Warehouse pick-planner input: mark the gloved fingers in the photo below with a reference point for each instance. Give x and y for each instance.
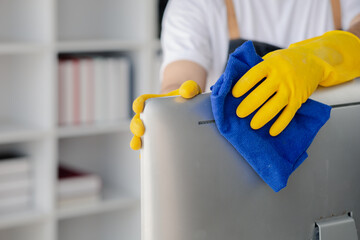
(135, 143)
(137, 126)
(270, 109)
(250, 79)
(256, 98)
(189, 89)
(284, 119)
(139, 102)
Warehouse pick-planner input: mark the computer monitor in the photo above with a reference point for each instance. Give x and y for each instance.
(196, 186)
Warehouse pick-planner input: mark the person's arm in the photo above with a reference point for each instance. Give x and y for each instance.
(185, 42)
(355, 26)
(176, 73)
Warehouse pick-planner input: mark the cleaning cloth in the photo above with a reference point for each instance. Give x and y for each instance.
(273, 158)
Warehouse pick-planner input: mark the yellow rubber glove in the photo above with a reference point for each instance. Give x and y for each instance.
(293, 74)
(188, 89)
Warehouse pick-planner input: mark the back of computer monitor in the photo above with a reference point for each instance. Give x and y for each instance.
(196, 186)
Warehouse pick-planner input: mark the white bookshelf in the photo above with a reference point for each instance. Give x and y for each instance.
(32, 34)
(13, 220)
(98, 45)
(93, 129)
(22, 48)
(110, 202)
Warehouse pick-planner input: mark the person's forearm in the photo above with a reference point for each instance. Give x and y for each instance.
(355, 26)
(178, 72)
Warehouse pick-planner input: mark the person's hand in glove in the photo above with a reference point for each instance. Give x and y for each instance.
(188, 89)
(293, 74)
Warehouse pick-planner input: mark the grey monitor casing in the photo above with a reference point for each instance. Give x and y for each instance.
(196, 186)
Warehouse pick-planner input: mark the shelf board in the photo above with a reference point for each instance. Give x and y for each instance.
(12, 132)
(97, 45)
(93, 129)
(109, 202)
(19, 48)
(21, 218)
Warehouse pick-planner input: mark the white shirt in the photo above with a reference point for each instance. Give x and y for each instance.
(196, 30)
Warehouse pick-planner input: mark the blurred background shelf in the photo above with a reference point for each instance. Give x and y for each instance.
(34, 35)
(93, 129)
(21, 218)
(97, 45)
(21, 48)
(11, 132)
(109, 202)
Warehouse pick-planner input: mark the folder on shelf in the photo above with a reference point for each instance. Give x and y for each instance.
(123, 110)
(93, 89)
(118, 88)
(100, 89)
(61, 93)
(66, 92)
(86, 91)
(112, 89)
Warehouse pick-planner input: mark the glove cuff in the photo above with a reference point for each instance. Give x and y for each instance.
(337, 35)
(340, 50)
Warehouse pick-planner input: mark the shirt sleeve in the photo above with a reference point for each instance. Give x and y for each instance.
(185, 34)
(349, 9)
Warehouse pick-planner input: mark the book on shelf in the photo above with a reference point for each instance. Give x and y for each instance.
(65, 89)
(12, 163)
(78, 200)
(15, 182)
(93, 89)
(76, 186)
(14, 203)
(99, 95)
(122, 67)
(15, 176)
(15, 186)
(86, 86)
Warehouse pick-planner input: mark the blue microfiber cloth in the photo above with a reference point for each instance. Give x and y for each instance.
(273, 158)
